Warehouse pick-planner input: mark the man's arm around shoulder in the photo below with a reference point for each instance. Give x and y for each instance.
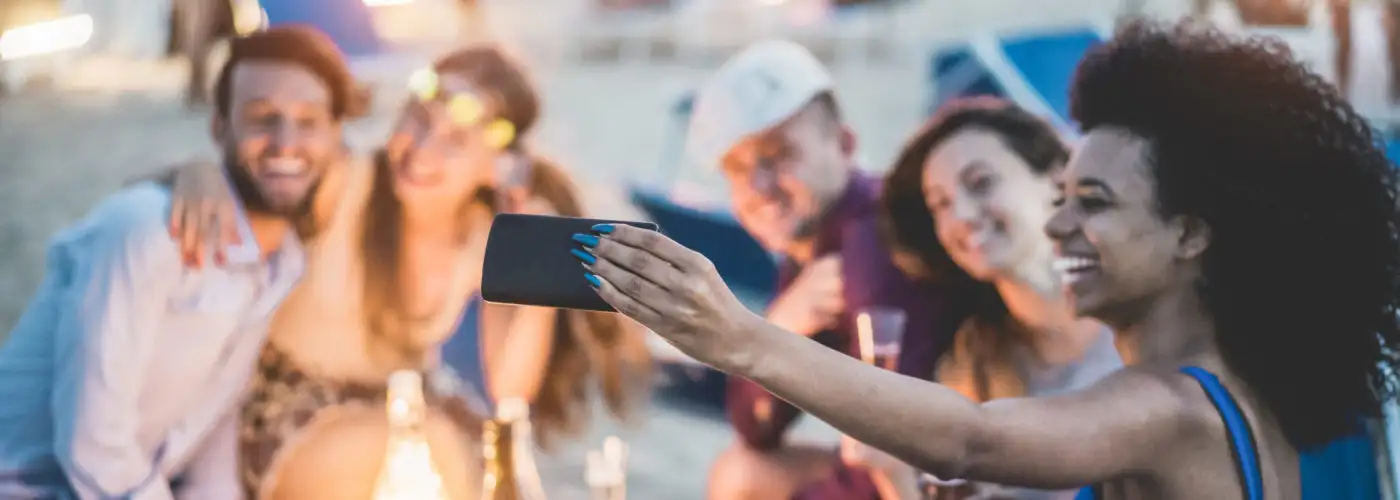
(123, 268)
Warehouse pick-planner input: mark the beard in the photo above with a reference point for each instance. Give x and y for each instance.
(256, 202)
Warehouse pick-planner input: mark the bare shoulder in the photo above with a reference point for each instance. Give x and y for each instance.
(1134, 423)
(1160, 407)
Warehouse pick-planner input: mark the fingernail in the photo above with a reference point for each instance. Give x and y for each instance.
(586, 257)
(587, 240)
(603, 228)
(593, 280)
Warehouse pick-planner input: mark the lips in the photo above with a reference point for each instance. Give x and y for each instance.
(284, 174)
(1074, 269)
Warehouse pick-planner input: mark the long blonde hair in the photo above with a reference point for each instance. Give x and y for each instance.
(586, 344)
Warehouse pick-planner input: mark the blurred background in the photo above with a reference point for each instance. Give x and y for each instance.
(91, 97)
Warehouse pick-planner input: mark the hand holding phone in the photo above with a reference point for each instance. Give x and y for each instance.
(527, 262)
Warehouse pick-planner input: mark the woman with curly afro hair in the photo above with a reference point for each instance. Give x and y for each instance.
(1227, 213)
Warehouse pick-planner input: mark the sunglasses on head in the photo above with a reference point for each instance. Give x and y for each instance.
(463, 108)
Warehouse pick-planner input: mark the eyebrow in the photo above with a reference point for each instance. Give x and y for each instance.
(1093, 182)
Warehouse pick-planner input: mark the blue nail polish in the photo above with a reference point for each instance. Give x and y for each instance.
(603, 228)
(586, 257)
(593, 280)
(587, 240)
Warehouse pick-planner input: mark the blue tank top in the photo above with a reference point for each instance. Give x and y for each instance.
(1343, 469)
(462, 351)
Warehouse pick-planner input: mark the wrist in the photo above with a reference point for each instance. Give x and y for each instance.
(760, 337)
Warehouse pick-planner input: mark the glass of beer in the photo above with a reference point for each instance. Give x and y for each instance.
(880, 332)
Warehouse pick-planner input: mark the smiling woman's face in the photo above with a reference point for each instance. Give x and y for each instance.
(440, 149)
(989, 207)
(1115, 250)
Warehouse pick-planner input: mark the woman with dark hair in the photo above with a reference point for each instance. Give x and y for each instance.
(394, 261)
(1228, 214)
(970, 196)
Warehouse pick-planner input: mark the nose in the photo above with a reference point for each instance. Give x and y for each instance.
(763, 182)
(284, 139)
(1062, 224)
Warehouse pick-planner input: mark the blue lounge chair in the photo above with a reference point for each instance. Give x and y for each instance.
(349, 23)
(1033, 69)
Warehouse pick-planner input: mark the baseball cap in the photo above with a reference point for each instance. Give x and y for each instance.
(756, 89)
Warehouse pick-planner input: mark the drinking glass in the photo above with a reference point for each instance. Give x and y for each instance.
(880, 332)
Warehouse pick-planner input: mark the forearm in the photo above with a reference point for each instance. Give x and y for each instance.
(519, 360)
(922, 423)
(759, 418)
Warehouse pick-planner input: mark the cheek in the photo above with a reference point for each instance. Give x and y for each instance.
(1130, 250)
(251, 144)
(946, 230)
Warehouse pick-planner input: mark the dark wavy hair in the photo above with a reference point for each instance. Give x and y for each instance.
(908, 223)
(295, 44)
(1302, 274)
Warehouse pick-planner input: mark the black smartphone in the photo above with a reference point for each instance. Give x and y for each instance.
(528, 262)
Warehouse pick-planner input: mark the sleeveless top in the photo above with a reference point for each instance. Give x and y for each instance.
(1033, 378)
(1343, 469)
(315, 347)
(462, 352)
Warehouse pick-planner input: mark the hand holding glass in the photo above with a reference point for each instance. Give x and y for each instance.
(880, 332)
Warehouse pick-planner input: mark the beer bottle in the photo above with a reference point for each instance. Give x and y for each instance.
(408, 472)
(508, 453)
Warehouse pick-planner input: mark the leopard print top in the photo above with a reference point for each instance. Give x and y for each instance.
(284, 399)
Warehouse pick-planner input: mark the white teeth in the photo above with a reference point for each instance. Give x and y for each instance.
(285, 166)
(1072, 269)
(1073, 265)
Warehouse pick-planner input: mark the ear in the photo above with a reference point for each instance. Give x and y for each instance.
(848, 141)
(1193, 237)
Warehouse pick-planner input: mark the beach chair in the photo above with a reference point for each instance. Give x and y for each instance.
(1033, 68)
(349, 23)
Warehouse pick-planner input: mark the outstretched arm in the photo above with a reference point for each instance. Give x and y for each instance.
(1128, 424)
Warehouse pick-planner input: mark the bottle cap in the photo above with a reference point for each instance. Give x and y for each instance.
(512, 409)
(405, 382)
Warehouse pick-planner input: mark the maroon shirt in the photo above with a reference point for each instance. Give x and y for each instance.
(851, 229)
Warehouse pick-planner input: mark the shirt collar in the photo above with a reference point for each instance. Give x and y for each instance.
(246, 252)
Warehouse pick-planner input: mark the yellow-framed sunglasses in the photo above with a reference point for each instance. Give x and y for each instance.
(462, 108)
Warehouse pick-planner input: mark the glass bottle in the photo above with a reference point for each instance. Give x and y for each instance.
(508, 453)
(606, 471)
(408, 472)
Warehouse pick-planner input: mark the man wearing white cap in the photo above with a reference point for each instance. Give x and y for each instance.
(769, 120)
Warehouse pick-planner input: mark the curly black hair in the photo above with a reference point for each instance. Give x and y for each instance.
(1302, 274)
(908, 224)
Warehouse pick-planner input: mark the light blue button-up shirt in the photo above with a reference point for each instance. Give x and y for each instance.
(126, 368)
